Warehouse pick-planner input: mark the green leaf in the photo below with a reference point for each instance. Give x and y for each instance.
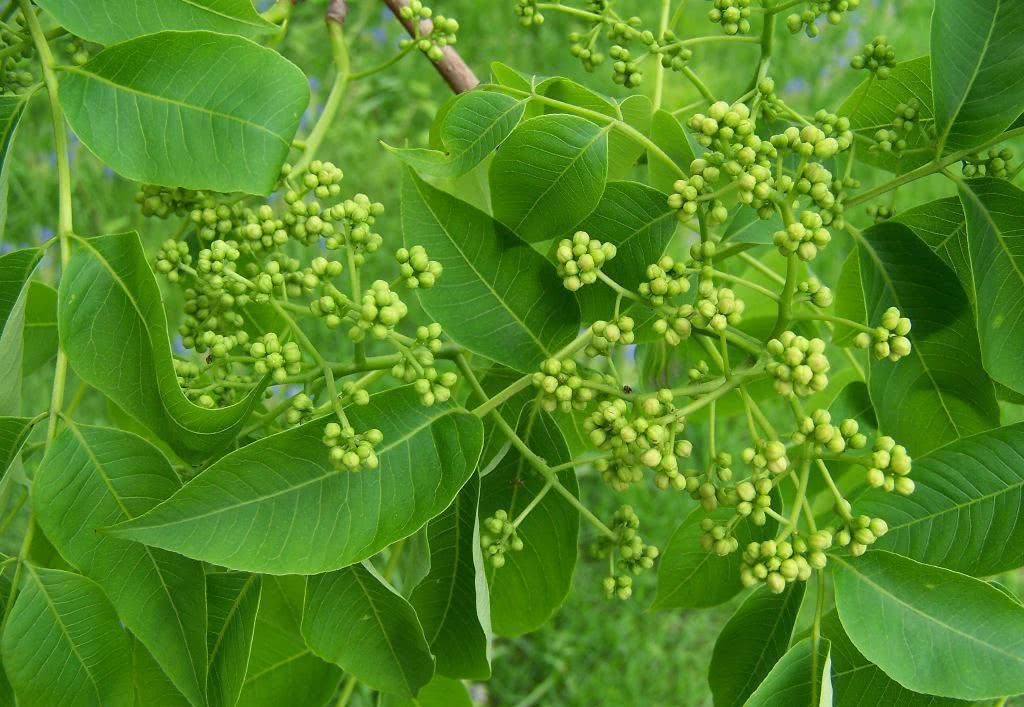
(355, 619)
(452, 601)
(11, 110)
(499, 297)
(638, 220)
(548, 175)
(691, 577)
(110, 309)
(747, 227)
(939, 392)
(753, 641)
(534, 582)
(872, 106)
(849, 297)
(189, 109)
(472, 127)
(636, 111)
(63, 645)
(802, 677)
(16, 268)
(232, 599)
(439, 692)
(40, 329)
(930, 629)
(977, 69)
(150, 685)
(995, 226)
(110, 21)
(282, 669)
(93, 477)
(857, 681)
(965, 510)
(13, 433)
(279, 506)
(668, 133)
(942, 226)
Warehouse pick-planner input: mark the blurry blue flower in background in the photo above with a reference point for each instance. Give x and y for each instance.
(6, 247)
(314, 84)
(631, 353)
(43, 233)
(264, 5)
(177, 346)
(796, 85)
(379, 34)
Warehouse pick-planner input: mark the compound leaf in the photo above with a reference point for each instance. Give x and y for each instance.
(188, 109)
(92, 477)
(355, 619)
(977, 69)
(279, 506)
(872, 106)
(965, 510)
(451, 600)
(232, 600)
(112, 325)
(110, 21)
(499, 298)
(802, 677)
(282, 669)
(754, 640)
(472, 127)
(548, 175)
(930, 629)
(940, 392)
(534, 581)
(63, 644)
(995, 236)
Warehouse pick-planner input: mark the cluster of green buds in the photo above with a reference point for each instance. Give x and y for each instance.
(818, 431)
(878, 57)
(580, 258)
(433, 32)
(994, 163)
(711, 487)
(799, 364)
(733, 15)
(716, 308)
(628, 554)
(832, 10)
(528, 13)
(417, 366)
(816, 293)
(881, 213)
(647, 436)
(300, 409)
(626, 71)
(813, 141)
(804, 237)
(674, 54)
(15, 76)
(499, 538)
(608, 334)
(379, 313)
(889, 339)
(888, 140)
(276, 359)
(890, 467)
(777, 563)
(562, 386)
(416, 268)
(349, 450)
(665, 279)
(860, 532)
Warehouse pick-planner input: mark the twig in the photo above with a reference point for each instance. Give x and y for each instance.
(453, 69)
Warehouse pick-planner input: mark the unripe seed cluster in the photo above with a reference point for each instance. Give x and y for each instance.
(581, 258)
(889, 339)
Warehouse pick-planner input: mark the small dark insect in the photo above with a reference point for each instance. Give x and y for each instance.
(517, 482)
(627, 389)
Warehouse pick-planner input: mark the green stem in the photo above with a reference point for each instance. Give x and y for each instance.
(786, 299)
(497, 400)
(659, 69)
(339, 51)
(698, 84)
(528, 454)
(382, 66)
(346, 691)
(17, 48)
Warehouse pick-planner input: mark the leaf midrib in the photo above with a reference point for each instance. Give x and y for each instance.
(259, 499)
(89, 76)
(383, 630)
(544, 349)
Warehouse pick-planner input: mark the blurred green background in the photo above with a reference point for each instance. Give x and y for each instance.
(595, 651)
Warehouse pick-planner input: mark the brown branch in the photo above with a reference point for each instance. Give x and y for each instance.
(337, 11)
(453, 69)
